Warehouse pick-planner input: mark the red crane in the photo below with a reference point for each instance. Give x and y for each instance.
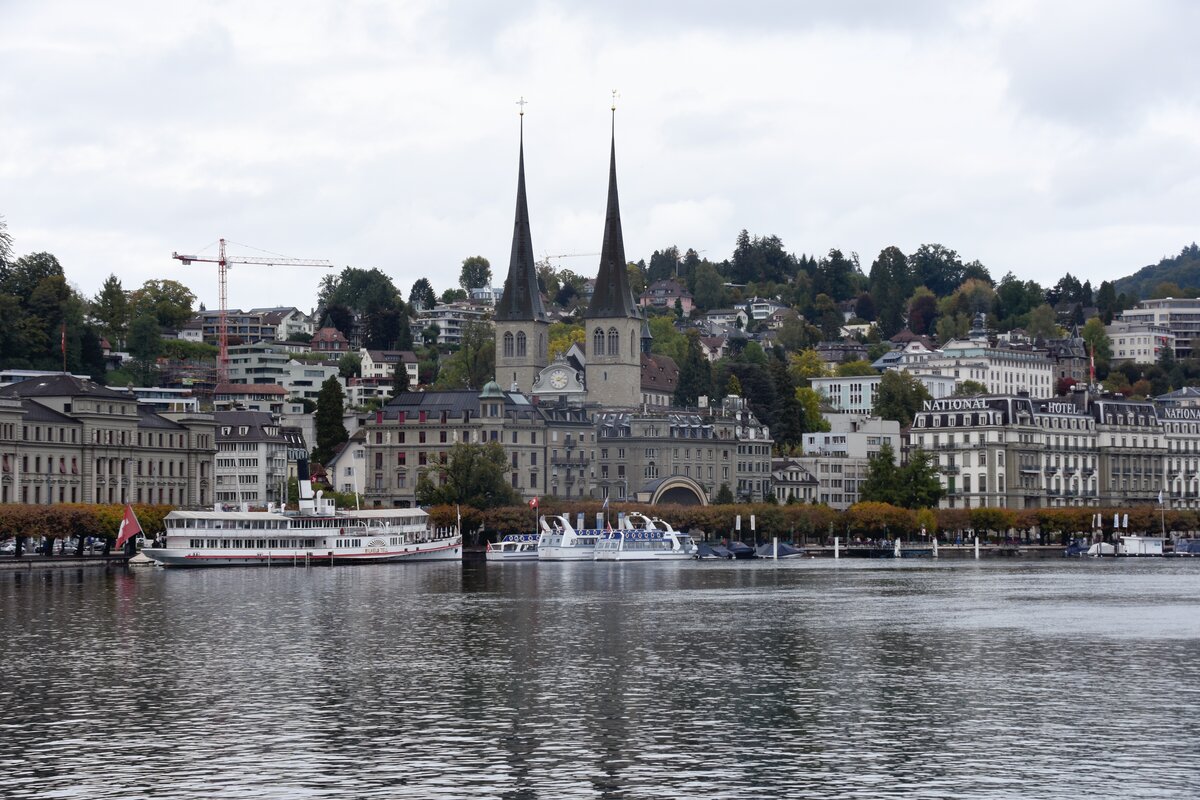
(222, 261)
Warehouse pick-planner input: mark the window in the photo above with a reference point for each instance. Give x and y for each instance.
(614, 342)
(520, 344)
(508, 345)
(598, 342)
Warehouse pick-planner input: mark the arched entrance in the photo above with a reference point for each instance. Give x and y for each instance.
(677, 490)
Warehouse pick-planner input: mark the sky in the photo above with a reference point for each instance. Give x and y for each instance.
(1036, 137)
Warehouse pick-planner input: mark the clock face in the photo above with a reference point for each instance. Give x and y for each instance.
(558, 379)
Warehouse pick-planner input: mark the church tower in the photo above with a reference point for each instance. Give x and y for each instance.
(522, 338)
(613, 322)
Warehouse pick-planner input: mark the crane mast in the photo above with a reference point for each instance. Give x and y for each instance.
(222, 261)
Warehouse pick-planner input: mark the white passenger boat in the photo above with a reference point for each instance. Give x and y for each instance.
(642, 538)
(316, 534)
(514, 547)
(559, 541)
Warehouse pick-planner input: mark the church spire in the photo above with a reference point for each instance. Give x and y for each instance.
(521, 299)
(612, 297)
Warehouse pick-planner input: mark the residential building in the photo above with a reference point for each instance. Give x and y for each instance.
(840, 458)
(252, 458)
(68, 440)
(329, 339)
(857, 394)
(663, 294)
(1181, 316)
(1141, 343)
(792, 482)
(266, 363)
(1003, 370)
(381, 364)
(759, 308)
(346, 471)
(286, 322)
(450, 318)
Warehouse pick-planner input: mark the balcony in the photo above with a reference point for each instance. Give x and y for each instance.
(1052, 492)
(567, 461)
(1068, 471)
(1050, 470)
(950, 469)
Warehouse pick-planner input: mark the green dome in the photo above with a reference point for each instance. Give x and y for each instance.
(491, 391)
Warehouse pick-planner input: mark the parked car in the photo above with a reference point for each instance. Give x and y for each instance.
(9, 547)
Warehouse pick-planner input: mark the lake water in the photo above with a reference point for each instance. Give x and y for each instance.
(962, 679)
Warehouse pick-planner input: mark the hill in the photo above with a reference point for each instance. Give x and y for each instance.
(1182, 270)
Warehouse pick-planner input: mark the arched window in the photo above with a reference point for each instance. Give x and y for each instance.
(520, 344)
(651, 470)
(614, 342)
(508, 345)
(598, 342)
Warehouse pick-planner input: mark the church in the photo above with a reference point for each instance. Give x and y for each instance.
(596, 422)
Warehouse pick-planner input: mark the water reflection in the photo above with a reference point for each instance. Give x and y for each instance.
(809, 679)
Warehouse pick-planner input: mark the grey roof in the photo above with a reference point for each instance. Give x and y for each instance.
(454, 403)
(36, 412)
(149, 418)
(256, 421)
(521, 299)
(63, 385)
(613, 296)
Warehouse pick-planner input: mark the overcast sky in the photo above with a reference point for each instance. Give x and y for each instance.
(1035, 137)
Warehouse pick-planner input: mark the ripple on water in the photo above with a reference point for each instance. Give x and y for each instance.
(798, 679)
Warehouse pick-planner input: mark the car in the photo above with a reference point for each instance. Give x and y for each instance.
(9, 547)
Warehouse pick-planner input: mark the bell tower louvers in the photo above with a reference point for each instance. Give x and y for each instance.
(613, 322)
(521, 324)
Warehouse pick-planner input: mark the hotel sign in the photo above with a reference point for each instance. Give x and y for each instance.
(956, 404)
(1061, 408)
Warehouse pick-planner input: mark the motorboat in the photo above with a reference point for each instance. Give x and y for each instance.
(642, 538)
(559, 541)
(713, 551)
(741, 550)
(514, 547)
(779, 550)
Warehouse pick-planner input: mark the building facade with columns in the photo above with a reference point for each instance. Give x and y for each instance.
(68, 440)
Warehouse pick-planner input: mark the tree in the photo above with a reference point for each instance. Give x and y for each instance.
(810, 400)
(358, 289)
(937, 268)
(806, 365)
(476, 273)
(1098, 344)
(969, 388)
(788, 421)
(724, 496)
(422, 295)
(882, 484)
(474, 362)
(1042, 323)
(889, 284)
(1106, 301)
(900, 397)
(922, 312)
(668, 341)
(110, 309)
(561, 335)
(6, 252)
(850, 369)
(695, 373)
(350, 365)
(920, 487)
(145, 345)
(710, 290)
(330, 431)
(400, 379)
(474, 475)
(169, 301)
(453, 295)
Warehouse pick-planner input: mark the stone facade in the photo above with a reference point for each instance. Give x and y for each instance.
(66, 440)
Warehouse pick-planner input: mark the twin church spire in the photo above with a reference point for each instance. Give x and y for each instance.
(613, 296)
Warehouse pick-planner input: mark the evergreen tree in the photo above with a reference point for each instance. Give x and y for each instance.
(400, 379)
(422, 295)
(145, 345)
(920, 487)
(724, 496)
(110, 309)
(330, 431)
(789, 422)
(695, 374)
(882, 483)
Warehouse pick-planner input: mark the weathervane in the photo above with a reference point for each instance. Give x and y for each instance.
(522, 103)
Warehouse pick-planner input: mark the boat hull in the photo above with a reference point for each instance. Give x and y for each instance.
(618, 555)
(550, 553)
(444, 550)
(503, 557)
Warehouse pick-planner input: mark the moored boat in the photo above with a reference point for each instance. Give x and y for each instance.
(641, 538)
(780, 550)
(1139, 545)
(316, 534)
(514, 547)
(559, 541)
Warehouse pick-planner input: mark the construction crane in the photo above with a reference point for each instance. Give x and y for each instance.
(222, 261)
(547, 258)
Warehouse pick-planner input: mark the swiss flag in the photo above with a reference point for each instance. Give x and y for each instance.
(533, 503)
(129, 527)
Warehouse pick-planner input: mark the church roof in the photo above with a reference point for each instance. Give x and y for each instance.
(521, 300)
(613, 296)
